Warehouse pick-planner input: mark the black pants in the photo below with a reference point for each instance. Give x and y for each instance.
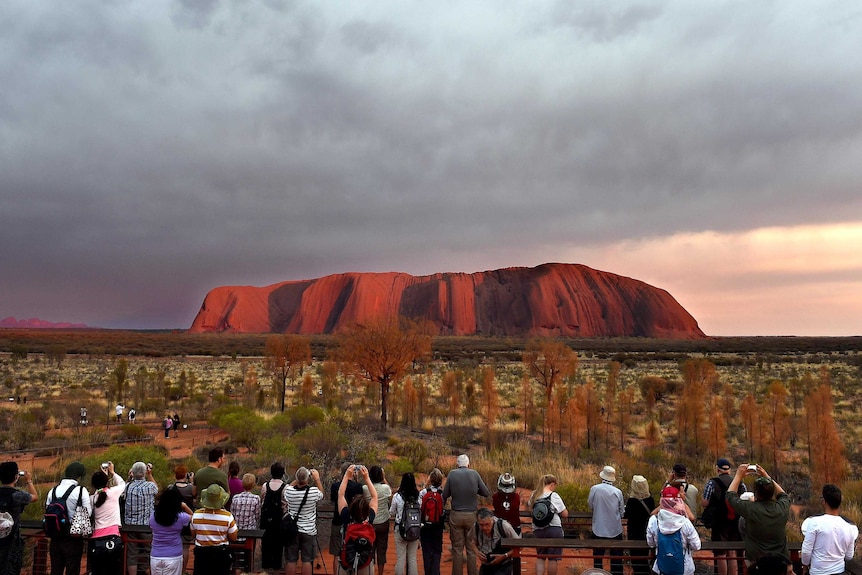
(616, 556)
(216, 560)
(431, 541)
(105, 562)
(504, 568)
(65, 553)
(271, 549)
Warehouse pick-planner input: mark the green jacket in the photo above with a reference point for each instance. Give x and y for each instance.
(765, 524)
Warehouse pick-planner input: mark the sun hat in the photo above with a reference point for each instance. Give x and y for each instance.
(506, 483)
(640, 487)
(214, 497)
(608, 473)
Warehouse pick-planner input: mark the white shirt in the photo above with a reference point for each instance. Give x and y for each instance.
(608, 506)
(669, 522)
(829, 540)
(72, 501)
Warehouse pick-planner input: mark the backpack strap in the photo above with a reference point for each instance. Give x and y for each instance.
(304, 497)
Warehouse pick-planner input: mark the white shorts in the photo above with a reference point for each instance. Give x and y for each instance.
(166, 565)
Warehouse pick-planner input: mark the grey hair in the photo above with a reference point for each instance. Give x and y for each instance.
(302, 475)
(463, 460)
(485, 513)
(139, 470)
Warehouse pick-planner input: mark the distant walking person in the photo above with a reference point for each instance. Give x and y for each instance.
(175, 419)
(119, 412)
(463, 487)
(168, 424)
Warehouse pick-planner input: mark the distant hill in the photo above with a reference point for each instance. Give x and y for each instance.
(549, 300)
(36, 323)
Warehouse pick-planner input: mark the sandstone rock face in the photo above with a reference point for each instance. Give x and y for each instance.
(549, 300)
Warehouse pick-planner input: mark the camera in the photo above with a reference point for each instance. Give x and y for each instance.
(752, 469)
(22, 473)
(104, 466)
(357, 471)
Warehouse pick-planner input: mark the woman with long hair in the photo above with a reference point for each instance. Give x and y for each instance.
(106, 548)
(549, 557)
(169, 516)
(431, 535)
(405, 551)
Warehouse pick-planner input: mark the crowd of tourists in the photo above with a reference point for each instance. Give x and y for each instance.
(205, 511)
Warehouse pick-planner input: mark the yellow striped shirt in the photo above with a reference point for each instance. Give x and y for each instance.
(211, 527)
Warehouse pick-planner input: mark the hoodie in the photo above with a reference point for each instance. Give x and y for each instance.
(668, 522)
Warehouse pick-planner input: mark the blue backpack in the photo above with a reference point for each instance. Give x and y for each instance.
(670, 553)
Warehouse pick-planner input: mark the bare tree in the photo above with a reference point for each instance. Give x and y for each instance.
(382, 352)
(285, 358)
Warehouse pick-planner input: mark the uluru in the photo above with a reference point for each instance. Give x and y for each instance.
(554, 299)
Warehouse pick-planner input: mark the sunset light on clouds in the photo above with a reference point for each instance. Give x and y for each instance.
(152, 151)
(768, 281)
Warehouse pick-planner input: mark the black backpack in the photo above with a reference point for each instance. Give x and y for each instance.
(271, 509)
(56, 521)
(719, 511)
(410, 523)
(543, 512)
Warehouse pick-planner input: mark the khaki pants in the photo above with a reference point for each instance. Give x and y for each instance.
(462, 533)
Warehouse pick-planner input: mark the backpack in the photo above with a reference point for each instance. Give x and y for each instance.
(357, 549)
(56, 521)
(7, 522)
(670, 553)
(411, 520)
(543, 512)
(719, 511)
(271, 509)
(432, 508)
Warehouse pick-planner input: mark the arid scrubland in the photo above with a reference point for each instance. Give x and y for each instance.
(639, 410)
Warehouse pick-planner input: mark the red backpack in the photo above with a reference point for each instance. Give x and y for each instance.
(357, 550)
(432, 508)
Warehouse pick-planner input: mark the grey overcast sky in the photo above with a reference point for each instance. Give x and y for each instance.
(153, 150)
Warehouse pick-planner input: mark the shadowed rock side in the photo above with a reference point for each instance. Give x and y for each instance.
(548, 300)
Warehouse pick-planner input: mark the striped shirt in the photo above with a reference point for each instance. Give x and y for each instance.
(307, 520)
(245, 507)
(211, 527)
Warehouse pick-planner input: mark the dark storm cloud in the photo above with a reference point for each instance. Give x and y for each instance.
(151, 151)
